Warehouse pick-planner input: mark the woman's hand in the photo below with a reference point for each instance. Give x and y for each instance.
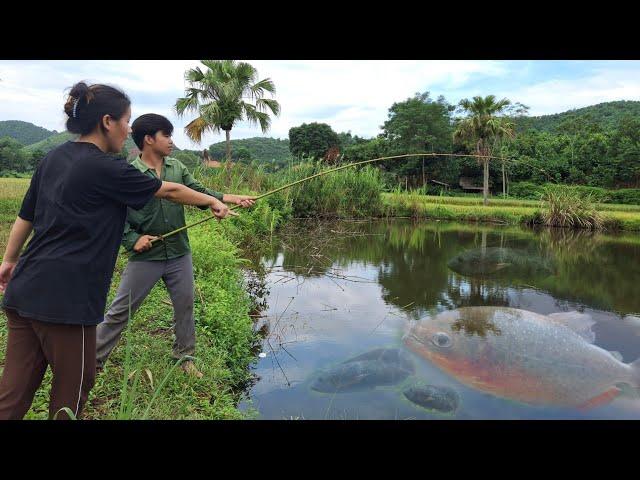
(245, 201)
(6, 271)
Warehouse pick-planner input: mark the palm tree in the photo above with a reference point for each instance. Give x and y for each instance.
(222, 96)
(484, 128)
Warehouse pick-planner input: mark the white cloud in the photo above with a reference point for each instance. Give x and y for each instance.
(349, 95)
(603, 84)
(366, 88)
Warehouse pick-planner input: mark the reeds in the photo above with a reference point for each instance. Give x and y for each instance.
(562, 207)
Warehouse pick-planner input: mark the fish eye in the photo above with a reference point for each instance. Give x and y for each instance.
(441, 339)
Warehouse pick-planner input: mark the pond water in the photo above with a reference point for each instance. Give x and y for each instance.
(337, 290)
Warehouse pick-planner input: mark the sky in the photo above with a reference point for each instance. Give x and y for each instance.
(349, 95)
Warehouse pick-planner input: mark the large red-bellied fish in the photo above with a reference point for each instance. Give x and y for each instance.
(524, 356)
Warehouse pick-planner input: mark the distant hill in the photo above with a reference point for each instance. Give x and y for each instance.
(58, 139)
(50, 142)
(607, 115)
(272, 150)
(24, 132)
(38, 138)
(261, 149)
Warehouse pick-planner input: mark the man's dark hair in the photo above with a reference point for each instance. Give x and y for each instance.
(149, 124)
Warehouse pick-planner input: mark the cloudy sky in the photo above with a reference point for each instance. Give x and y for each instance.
(348, 95)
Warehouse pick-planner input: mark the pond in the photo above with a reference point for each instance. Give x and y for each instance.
(339, 291)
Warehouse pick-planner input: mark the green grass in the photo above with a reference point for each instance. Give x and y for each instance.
(498, 211)
(567, 208)
(348, 193)
(511, 202)
(226, 343)
(224, 349)
(12, 191)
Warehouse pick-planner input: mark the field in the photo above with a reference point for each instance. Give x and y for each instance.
(498, 210)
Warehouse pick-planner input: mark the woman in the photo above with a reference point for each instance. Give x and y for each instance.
(55, 292)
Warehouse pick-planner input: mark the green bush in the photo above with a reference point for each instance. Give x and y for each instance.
(532, 191)
(525, 190)
(625, 196)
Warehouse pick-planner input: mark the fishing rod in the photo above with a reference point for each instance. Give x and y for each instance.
(325, 172)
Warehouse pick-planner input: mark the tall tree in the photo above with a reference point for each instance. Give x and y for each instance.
(485, 125)
(418, 124)
(222, 95)
(312, 139)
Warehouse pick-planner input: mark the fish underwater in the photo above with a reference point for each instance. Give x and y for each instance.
(498, 262)
(432, 397)
(382, 366)
(524, 356)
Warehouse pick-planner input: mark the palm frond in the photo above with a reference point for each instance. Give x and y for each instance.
(256, 117)
(196, 128)
(212, 113)
(216, 92)
(194, 75)
(186, 104)
(262, 104)
(257, 90)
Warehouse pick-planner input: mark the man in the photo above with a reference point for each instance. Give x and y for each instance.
(170, 260)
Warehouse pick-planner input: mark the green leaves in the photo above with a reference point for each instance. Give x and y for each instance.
(218, 94)
(312, 140)
(484, 128)
(419, 124)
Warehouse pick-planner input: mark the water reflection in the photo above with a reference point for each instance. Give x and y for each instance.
(474, 322)
(412, 261)
(343, 288)
(503, 263)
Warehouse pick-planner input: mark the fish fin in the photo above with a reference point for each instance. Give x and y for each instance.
(580, 323)
(628, 390)
(602, 399)
(617, 355)
(500, 266)
(382, 354)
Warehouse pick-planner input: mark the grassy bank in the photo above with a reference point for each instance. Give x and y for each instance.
(627, 217)
(226, 342)
(476, 200)
(12, 191)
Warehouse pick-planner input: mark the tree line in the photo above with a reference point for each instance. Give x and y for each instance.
(579, 150)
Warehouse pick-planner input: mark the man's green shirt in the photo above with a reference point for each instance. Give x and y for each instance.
(161, 216)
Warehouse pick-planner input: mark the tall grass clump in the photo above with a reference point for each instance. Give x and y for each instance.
(238, 178)
(562, 207)
(348, 193)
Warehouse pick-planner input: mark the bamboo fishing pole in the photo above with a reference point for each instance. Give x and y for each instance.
(162, 237)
